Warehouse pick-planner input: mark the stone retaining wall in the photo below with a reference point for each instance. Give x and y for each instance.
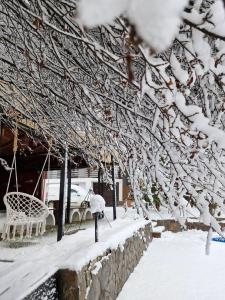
(174, 226)
(104, 277)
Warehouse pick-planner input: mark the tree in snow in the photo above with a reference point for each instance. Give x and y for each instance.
(102, 91)
(186, 84)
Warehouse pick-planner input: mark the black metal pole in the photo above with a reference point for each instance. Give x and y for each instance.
(68, 192)
(61, 200)
(114, 189)
(96, 227)
(99, 181)
(102, 185)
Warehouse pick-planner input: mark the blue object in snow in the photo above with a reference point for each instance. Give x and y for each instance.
(218, 239)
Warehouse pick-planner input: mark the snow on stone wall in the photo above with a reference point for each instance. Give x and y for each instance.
(103, 277)
(107, 274)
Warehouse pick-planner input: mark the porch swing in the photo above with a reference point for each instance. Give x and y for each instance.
(23, 211)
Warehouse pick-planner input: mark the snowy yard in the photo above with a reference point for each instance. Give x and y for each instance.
(24, 268)
(126, 93)
(10, 251)
(175, 267)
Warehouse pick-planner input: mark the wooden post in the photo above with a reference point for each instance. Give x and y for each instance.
(114, 189)
(68, 193)
(61, 199)
(1, 131)
(96, 227)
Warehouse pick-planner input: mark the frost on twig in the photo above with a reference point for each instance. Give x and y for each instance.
(164, 125)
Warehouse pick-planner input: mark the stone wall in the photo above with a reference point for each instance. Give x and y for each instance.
(104, 277)
(174, 226)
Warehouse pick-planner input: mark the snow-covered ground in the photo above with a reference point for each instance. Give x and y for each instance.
(34, 261)
(175, 267)
(10, 251)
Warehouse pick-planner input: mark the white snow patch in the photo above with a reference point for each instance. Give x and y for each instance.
(97, 267)
(156, 21)
(97, 204)
(175, 267)
(159, 229)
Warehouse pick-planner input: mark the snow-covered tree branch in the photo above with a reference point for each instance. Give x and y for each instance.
(102, 90)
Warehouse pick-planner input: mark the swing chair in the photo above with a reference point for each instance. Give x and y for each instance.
(23, 211)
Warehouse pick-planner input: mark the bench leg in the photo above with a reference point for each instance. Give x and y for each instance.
(53, 217)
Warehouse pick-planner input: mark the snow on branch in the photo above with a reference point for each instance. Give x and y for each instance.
(164, 125)
(199, 121)
(155, 21)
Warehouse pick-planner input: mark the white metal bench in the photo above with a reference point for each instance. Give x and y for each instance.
(78, 213)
